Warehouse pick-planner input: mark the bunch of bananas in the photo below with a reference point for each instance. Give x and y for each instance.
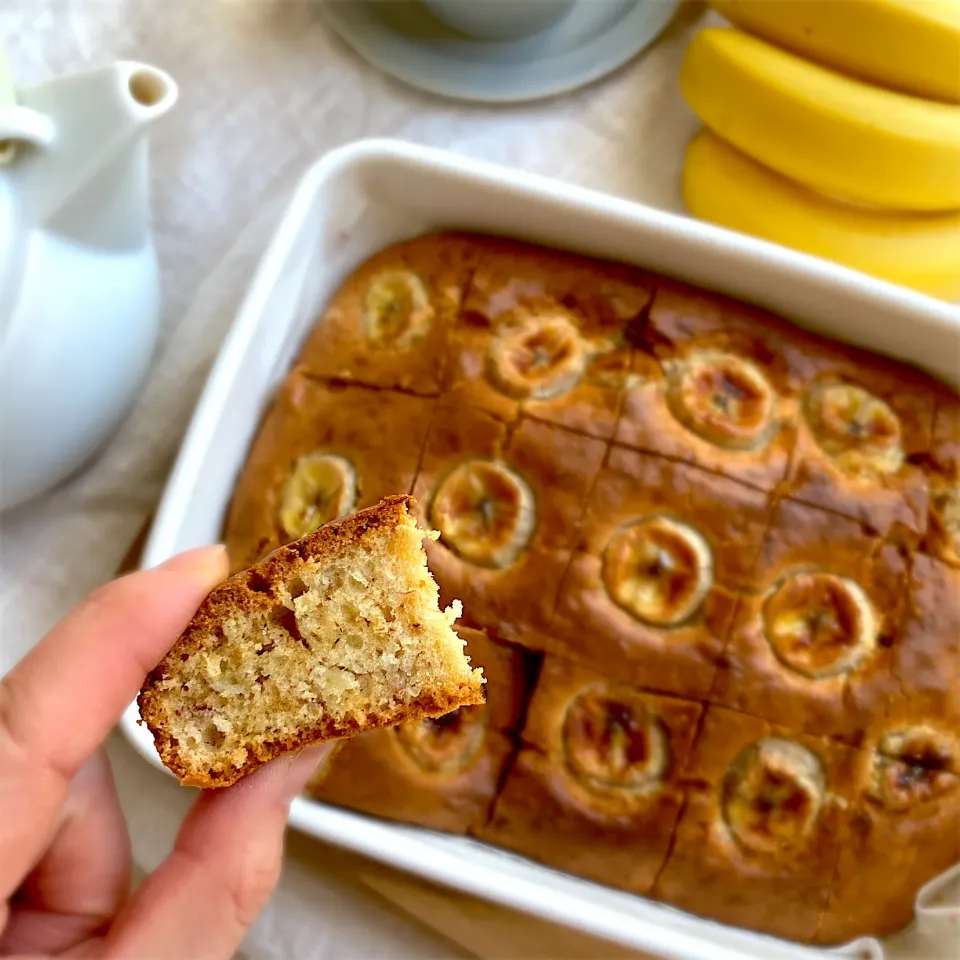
(833, 127)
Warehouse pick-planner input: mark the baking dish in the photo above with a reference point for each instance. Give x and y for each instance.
(365, 196)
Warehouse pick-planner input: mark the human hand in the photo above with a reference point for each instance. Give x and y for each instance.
(64, 849)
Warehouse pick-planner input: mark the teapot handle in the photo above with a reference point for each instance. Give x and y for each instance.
(20, 124)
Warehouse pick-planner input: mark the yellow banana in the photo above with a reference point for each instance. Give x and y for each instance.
(908, 45)
(917, 250)
(836, 134)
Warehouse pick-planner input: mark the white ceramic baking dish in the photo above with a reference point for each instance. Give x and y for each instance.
(357, 200)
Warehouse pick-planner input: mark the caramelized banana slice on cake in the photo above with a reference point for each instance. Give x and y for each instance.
(538, 358)
(484, 512)
(321, 488)
(444, 744)
(658, 570)
(772, 795)
(820, 624)
(613, 741)
(397, 311)
(858, 431)
(912, 766)
(722, 398)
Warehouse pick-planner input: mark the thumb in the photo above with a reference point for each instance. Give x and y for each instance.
(224, 867)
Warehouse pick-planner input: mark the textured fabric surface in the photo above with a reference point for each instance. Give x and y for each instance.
(265, 90)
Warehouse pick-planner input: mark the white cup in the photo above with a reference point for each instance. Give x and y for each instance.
(499, 19)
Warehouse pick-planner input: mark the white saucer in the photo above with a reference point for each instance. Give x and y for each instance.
(401, 38)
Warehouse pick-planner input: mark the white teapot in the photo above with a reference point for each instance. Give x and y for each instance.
(79, 280)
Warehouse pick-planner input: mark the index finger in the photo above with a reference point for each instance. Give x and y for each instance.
(60, 702)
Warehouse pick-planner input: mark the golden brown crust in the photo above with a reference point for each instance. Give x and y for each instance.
(827, 668)
(376, 432)
(891, 849)
(256, 589)
(552, 808)
(591, 626)
(557, 469)
(868, 473)
(712, 871)
(518, 297)
(926, 655)
(404, 354)
(384, 774)
(943, 472)
(788, 445)
(906, 827)
(945, 443)
(690, 333)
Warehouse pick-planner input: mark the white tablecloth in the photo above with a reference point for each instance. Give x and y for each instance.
(264, 91)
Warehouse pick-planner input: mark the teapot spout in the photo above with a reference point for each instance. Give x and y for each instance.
(152, 91)
(91, 180)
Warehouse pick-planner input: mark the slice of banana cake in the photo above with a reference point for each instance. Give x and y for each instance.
(333, 634)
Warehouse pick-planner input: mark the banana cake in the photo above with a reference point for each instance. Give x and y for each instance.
(334, 634)
(726, 548)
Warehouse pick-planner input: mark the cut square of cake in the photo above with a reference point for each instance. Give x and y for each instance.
(334, 634)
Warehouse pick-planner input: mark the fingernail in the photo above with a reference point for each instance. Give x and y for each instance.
(207, 562)
(303, 766)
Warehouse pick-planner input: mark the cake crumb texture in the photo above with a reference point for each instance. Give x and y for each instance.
(333, 634)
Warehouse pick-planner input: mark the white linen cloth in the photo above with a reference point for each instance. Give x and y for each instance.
(265, 90)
